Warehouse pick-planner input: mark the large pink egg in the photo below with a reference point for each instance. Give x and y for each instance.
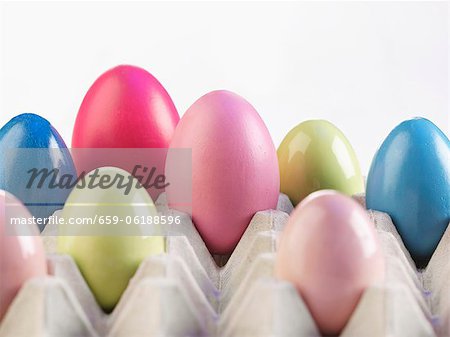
(234, 167)
(330, 252)
(22, 254)
(126, 107)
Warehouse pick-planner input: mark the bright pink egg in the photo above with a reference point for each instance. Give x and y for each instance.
(22, 254)
(234, 167)
(126, 107)
(330, 252)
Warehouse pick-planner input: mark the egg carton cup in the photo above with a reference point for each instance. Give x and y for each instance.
(433, 282)
(184, 293)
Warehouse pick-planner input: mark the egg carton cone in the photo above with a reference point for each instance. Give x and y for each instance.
(50, 307)
(433, 281)
(32, 313)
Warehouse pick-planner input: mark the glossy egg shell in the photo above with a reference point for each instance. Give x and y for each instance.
(126, 107)
(410, 180)
(330, 252)
(22, 254)
(316, 155)
(30, 131)
(234, 167)
(108, 255)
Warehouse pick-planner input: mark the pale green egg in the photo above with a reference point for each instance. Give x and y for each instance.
(316, 155)
(113, 234)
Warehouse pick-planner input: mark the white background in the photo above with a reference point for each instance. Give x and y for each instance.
(364, 66)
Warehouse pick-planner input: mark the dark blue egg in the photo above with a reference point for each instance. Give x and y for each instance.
(410, 180)
(31, 147)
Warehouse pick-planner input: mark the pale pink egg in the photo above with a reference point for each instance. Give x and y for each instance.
(234, 167)
(22, 254)
(330, 252)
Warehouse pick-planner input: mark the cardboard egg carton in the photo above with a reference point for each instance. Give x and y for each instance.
(433, 282)
(172, 294)
(408, 303)
(184, 293)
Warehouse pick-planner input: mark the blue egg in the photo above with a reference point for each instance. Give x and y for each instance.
(31, 152)
(410, 180)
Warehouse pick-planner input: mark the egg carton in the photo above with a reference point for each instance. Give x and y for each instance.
(408, 303)
(187, 299)
(184, 293)
(433, 281)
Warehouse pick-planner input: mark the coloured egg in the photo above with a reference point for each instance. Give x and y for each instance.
(22, 254)
(116, 237)
(410, 180)
(126, 107)
(234, 167)
(316, 155)
(30, 142)
(329, 251)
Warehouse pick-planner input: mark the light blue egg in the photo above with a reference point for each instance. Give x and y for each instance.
(410, 180)
(29, 142)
